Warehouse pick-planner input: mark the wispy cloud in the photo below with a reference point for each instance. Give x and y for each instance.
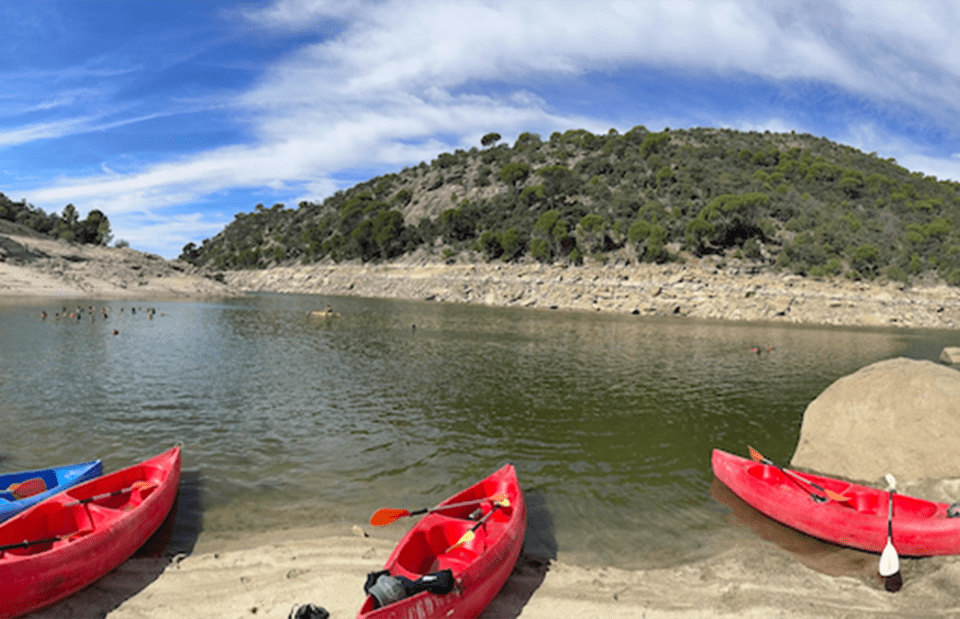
(165, 234)
(388, 84)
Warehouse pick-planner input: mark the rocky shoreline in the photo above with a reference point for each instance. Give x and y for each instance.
(696, 290)
(707, 289)
(42, 267)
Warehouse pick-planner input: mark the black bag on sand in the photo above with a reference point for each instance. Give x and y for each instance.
(309, 611)
(387, 589)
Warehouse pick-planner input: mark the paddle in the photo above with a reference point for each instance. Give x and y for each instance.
(389, 515)
(758, 457)
(29, 487)
(49, 540)
(469, 535)
(889, 561)
(137, 485)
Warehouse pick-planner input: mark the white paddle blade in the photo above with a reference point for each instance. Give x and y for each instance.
(889, 561)
(891, 481)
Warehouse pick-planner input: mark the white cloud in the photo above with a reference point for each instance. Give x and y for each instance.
(164, 235)
(383, 86)
(870, 138)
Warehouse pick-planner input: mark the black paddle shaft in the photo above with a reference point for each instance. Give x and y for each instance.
(27, 544)
(890, 516)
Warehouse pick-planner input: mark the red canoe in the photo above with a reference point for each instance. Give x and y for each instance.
(74, 538)
(920, 528)
(479, 567)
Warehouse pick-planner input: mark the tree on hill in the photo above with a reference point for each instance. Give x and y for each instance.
(781, 201)
(95, 229)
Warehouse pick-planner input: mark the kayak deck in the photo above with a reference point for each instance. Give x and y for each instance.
(74, 538)
(920, 527)
(480, 566)
(55, 480)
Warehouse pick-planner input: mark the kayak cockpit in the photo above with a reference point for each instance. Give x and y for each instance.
(426, 550)
(436, 543)
(52, 525)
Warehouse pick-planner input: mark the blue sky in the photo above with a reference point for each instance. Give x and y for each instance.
(171, 117)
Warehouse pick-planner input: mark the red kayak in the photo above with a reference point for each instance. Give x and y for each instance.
(920, 528)
(491, 516)
(74, 538)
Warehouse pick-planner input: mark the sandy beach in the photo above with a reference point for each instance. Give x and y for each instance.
(772, 574)
(271, 576)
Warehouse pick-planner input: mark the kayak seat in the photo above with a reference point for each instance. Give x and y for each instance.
(425, 551)
(917, 508)
(865, 502)
(50, 520)
(769, 474)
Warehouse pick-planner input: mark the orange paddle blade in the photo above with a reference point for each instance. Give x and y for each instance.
(387, 515)
(839, 498)
(27, 488)
(755, 455)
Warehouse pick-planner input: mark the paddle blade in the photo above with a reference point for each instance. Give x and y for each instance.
(387, 516)
(27, 488)
(889, 561)
(465, 539)
(839, 498)
(755, 455)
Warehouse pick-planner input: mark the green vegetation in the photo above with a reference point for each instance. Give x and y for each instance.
(785, 201)
(95, 229)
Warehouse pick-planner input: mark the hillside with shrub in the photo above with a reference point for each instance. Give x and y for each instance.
(93, 230)
(792, 202)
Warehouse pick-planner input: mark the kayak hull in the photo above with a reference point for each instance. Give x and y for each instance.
(480, 567)
(87, 531)
(920, 528)
(56, 479)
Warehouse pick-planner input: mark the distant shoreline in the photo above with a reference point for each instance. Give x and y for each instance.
(700, 290)
(44, 268)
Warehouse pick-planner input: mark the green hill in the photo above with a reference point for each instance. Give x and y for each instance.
(787, 201)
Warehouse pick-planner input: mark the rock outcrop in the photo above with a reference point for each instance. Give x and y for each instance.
(897, 416)
(950, 354)
(697, 290)
(31, 266)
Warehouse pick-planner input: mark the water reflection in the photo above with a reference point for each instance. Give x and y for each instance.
(816, 554)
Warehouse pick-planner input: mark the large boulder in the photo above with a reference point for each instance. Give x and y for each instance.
(898, 416)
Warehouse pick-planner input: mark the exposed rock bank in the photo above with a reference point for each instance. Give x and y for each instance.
(696, 290)
(897, 416)
(43, 267)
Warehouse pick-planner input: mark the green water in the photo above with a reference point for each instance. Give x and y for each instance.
(292, 421)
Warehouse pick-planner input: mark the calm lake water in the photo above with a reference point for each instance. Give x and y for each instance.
(291, 421)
